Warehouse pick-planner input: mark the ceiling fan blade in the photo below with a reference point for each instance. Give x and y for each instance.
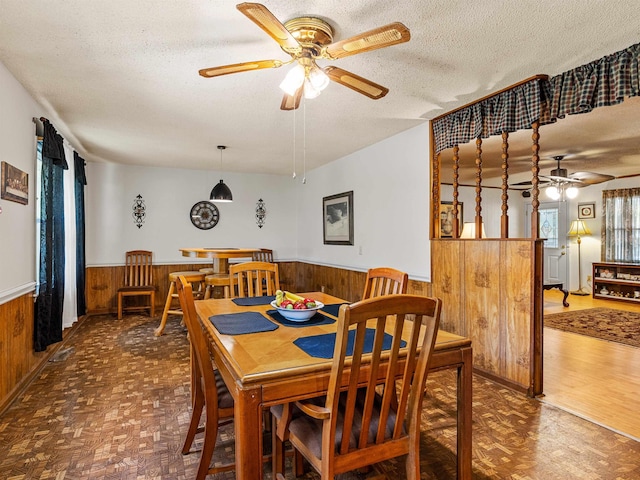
(356, 82)
(291, 102)
(380, 37)
(591, 178)
(239, 67)
(261, 16)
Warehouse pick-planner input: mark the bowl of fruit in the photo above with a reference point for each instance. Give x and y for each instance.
(294, 307)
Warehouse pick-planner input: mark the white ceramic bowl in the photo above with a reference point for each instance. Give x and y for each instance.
(298, 315)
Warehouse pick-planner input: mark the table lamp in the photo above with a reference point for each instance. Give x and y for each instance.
(579, 228)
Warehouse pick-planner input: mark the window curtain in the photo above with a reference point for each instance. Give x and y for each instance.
(604, 82)
(69, 305)
(48, 307)
(80, 182)
(621, 225)
(512, 110)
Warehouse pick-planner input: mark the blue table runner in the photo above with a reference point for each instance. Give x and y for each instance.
(322, 346)
(241, 323)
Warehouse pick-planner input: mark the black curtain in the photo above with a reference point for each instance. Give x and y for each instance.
(80, 182)
(48, 309)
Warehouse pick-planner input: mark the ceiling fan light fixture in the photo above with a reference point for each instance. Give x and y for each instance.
(309, 90)
(293, 80)
(571, 192)
(553, 192)
(318, 78)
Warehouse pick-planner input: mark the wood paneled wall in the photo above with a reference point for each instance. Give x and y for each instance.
(491, 293)
(102, 283)
(19, 361)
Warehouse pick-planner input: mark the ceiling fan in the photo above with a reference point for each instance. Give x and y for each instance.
(307, 39)
(560, 182)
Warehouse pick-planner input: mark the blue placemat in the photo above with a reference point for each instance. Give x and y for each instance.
(317, 319)
(333, 308)
(250, 301)
(240, 323)
(321, 346)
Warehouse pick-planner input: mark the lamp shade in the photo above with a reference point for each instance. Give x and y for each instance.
(469, 230)
(221, 193)
(578, 229)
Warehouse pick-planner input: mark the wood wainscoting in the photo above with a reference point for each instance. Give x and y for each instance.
(102, 283)
(491, 292)
(17, 357)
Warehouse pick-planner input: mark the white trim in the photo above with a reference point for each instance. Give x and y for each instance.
(8, 295)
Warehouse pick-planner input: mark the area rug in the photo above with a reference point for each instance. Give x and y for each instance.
(604, 323)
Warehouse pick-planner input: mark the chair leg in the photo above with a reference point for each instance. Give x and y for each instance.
(198, 406)
(153, 304)
(165, 313)
(210, 437)
(119, 306)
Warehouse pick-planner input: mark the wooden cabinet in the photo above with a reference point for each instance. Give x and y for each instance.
(616, 281)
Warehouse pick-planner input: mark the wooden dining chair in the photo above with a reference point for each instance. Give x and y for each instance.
(263, 255)
(384, 281)
(253, 279)
(138, 281)
(209, 392)
(357, 427)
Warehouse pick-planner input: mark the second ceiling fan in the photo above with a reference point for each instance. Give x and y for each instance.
(307, 39)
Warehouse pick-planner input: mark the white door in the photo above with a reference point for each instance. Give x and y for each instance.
(553, 228)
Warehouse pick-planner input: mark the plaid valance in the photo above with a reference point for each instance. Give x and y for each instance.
(509, 111)
(604, 82)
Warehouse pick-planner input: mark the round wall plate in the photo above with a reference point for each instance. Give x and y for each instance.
(204, 215)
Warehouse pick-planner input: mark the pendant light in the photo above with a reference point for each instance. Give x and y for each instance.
(221, 193)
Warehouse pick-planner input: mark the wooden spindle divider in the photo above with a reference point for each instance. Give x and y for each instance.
(504, 219)
(535, 180)
(478, 219)
(456, 168)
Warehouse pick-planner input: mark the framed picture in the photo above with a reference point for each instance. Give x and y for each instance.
(15, 184)
(586, 210)
(337, 211)
(446, 219)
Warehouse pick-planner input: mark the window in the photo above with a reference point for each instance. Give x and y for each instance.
(621, 225)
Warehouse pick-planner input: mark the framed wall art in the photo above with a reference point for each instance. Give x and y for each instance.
(337, 211)
(586, 210)
(446, 219)
(15, 184)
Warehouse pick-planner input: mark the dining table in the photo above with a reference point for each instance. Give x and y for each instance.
(219, 255)
(255, 353)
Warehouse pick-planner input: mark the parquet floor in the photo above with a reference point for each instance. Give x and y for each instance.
(115, 405)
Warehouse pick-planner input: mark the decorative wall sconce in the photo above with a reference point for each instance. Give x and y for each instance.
(139, 211)
(261, 213)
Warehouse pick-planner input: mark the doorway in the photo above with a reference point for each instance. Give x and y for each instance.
(553, 228)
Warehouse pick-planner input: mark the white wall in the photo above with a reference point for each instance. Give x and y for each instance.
(390, 181)
(168, 195)
(391, 196)
(17, 225)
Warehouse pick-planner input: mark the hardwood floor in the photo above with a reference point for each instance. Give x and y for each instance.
(594, 379)
(115, 404)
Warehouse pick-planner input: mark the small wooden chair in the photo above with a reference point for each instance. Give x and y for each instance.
(357, 427)
(384, 281)
(208, 389)
(192, 277)
(264, 255)
(138, 281)
(253, 279)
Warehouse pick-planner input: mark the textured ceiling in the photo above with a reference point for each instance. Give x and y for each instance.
(119, 78)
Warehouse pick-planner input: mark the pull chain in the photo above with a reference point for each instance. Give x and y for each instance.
(294, 143)
(304, 140)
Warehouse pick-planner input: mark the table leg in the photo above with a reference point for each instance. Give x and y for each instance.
(465, 395)
(564, 299)
(248, 429)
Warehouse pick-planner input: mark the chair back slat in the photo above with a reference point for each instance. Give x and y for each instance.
(253, 279)
(264, 255)
(138, 270)
(385, 281)
(392, 414)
